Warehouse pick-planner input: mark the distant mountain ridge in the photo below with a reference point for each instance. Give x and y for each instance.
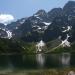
(59, 23)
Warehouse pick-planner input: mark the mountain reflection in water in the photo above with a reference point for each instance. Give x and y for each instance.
(37, 61)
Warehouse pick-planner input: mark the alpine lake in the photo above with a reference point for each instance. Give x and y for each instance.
(35, 64)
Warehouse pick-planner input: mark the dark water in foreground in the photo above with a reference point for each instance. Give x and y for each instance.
(37, 61)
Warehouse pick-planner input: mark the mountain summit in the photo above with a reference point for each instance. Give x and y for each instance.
(56, 25)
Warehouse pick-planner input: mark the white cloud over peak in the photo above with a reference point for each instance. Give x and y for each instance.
(6, 18)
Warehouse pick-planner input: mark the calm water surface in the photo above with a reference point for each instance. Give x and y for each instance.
(37, 61)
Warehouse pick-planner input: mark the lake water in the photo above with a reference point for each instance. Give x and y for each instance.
(38, 61)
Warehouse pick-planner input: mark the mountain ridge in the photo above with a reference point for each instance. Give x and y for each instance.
(56, 25)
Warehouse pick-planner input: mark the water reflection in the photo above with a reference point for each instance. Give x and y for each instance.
(65, 59)
(37, 61)
(40, 58)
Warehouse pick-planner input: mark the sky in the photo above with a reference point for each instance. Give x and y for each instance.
(26, 8)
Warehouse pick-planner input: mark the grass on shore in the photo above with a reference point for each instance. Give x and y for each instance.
(64, 71)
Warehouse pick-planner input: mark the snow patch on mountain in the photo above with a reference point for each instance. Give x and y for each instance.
(3, 29)
(38, 18)
(63, 27)
(39, 28)
(6, 18)
(66, 42)
(22, 21)
(47, 23)
(36, 15)
(68, 29)
(40, 45)
(16, 27)
(9, 34)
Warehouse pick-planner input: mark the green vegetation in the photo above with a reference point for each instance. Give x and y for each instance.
(16, 46)
(52, 44)
(65, 49)
(9, 46)
(41, 72)
(53, 47)
(29, 47)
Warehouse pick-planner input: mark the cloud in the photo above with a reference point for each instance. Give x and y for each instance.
(6, 18)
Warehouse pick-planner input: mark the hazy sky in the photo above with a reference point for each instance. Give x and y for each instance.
(25, 8)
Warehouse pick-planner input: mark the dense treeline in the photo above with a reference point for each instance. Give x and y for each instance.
(15, 46)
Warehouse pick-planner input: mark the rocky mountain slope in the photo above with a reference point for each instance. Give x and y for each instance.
(57, 24)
